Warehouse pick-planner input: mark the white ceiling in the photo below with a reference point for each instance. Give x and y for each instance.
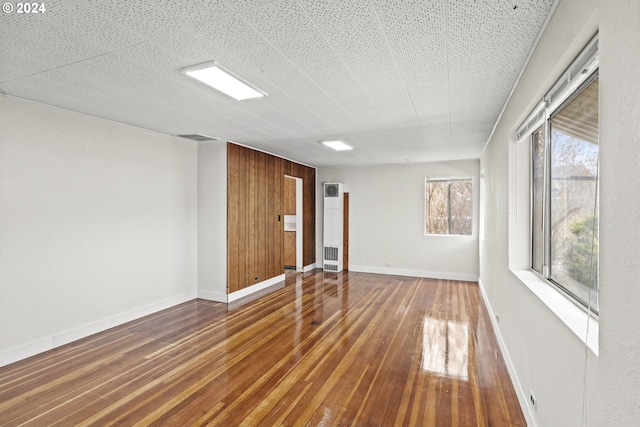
(400, 80)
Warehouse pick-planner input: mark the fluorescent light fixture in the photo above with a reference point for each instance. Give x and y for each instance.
(213, 75)
(337, 145)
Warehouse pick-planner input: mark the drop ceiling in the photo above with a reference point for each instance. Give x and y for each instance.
(399, 80)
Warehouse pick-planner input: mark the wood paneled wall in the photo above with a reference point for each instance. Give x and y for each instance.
(255, 203)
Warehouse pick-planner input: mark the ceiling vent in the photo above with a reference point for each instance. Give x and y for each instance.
(199, 137)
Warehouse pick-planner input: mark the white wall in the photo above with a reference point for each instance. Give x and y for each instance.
(97, 225)
(618, 373)
(212, 221)
(546, 356)
(386, 221)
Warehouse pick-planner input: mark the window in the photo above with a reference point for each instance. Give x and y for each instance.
(448, 206)
(537, 211)
(564, 138)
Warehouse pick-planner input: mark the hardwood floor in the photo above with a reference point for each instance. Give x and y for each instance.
(324, 350)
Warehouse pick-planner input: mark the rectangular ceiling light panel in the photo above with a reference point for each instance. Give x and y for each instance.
(213, 75)
(337, 145)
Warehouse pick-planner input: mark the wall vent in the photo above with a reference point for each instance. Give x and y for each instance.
(330, 267)
(332, 190)
(199, 137)
(331, 253)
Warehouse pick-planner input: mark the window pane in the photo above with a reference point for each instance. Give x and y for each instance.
(537, 183)
(437, 207)
(573, 198)
(460, 221)
(449, 207)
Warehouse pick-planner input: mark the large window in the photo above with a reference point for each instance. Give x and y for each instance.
(449, 206)
(564, 137)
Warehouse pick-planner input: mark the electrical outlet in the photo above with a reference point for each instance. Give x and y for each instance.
(533, 401)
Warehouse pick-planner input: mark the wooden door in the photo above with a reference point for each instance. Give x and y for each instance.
(290, 249)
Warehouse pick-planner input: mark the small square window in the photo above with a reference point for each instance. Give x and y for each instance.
(449, 206)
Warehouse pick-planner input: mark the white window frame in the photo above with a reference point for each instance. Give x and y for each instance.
(448, 180)
(581, 73)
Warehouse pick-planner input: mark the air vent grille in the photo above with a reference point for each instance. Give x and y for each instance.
(331, 190)
(199, 137)
(331, 253)
(330, 267)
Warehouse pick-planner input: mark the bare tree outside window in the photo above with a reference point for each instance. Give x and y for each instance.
(449, 207)
(564, 178)
(563, 131)
(437, 207)
(574, 196)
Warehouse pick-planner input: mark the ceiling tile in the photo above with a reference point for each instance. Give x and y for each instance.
(188, 14)
(401, 80)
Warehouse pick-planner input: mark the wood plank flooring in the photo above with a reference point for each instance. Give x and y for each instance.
(324, 350)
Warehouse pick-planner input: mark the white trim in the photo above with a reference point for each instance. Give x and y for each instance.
(581, 70)
(522, 396)
(50, 342)
(212, 295)
(299, 220)
(270, 153)
(308, 268)
(299, 223)
(254, 288)
(573, 316)
(475, 200)
(414, 273)
(524, 67)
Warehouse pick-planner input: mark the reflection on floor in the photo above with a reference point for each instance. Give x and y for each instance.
(324, 349)
(445, 348)
(290, 271)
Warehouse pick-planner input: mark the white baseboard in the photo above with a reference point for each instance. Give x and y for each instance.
(413, 273)
(212, 296)
(234, 296)
(309, 267)
(254, 288)
(522, 395)
(50, 342)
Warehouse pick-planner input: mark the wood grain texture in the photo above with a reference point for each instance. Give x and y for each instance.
(275, 248)
(290, 248)
(345, 233)
(235, 170)
(325, 349)
(289, 196)
(255, 200)
(251, 272)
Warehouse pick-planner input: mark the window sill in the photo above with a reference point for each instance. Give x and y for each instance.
(463, 236)
(574, 317)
